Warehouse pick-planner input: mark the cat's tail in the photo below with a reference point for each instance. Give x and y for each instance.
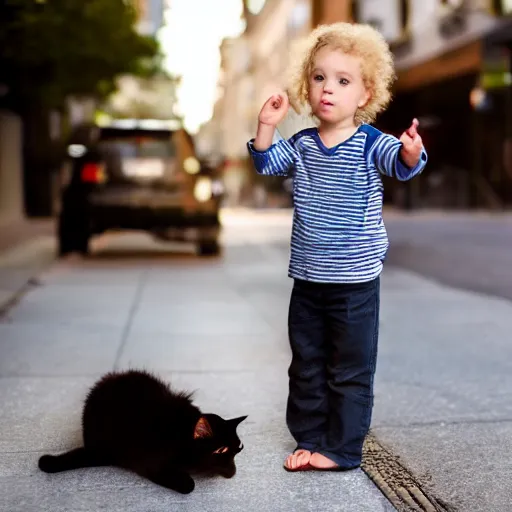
(74, 459)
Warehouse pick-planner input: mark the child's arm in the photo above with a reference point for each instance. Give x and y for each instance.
(401, 158)
(277, 160)
(272, 159)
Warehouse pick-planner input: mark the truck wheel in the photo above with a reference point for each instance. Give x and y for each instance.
(73, 236)
(208, 248)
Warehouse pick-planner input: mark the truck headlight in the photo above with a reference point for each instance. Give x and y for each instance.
(203, 189)
(191, 165)
(76, 150)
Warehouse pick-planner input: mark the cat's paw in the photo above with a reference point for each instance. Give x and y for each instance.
(178, 481)
(185, 486)
(47, 463)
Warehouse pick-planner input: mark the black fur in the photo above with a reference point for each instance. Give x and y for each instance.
(136, 421)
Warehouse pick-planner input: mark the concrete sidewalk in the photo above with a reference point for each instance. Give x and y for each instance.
(443, 389)
(443, 385)
(217, 326)
(444, 373)
(26, 248)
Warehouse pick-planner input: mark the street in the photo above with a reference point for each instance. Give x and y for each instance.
(471, 252)
(218, 326)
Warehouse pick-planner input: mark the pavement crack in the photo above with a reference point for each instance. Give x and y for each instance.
(131, 315)
(405, 492)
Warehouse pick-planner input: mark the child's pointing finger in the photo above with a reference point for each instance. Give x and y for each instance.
(412, 131)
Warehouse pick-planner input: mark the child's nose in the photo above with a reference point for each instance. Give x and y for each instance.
(328, 87)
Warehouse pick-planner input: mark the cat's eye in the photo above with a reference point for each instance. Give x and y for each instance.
(222, 449)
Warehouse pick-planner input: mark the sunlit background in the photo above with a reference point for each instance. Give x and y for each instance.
(223, 58)
(193, 51)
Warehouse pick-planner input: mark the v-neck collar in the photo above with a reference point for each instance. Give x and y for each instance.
(330, 151)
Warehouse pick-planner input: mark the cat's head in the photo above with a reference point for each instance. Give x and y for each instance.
(216, 444)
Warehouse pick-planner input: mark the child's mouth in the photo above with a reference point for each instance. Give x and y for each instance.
(326, 103)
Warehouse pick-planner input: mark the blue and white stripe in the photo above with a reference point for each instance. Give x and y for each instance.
(338, 234)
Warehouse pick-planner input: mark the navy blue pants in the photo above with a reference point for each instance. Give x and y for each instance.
(333, 330)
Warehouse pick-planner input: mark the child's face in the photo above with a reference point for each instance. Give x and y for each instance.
(336, 88)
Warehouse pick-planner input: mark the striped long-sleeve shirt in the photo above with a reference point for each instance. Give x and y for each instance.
(338, 234)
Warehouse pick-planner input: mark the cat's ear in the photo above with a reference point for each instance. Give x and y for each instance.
(236, 421)
(202, 429)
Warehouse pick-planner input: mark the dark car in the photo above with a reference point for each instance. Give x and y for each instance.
(138, 175)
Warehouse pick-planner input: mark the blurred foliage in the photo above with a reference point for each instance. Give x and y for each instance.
(51, 49)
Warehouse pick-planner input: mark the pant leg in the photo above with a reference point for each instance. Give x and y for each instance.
(352, 312)
(307, 406)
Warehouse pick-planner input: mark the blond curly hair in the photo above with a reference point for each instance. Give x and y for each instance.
(358, 40)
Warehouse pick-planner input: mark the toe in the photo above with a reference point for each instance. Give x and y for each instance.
(298, 459)
(303, 458)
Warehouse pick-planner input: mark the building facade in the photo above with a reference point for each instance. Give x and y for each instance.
(11, 168)
(253, 67)
(453, 61)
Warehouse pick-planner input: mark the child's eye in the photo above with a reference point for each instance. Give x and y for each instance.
(344, 81)
(318, 78)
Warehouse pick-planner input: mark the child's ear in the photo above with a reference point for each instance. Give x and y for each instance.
(364, 99)
(202, 429)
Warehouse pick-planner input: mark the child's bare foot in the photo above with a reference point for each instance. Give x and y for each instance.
(297, 459)
(319, 461)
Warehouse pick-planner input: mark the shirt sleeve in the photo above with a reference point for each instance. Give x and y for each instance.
(277, 160)
(385, 155)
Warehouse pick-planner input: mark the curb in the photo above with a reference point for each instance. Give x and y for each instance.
(405, 492)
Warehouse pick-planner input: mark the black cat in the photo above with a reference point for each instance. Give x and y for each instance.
(136, 421)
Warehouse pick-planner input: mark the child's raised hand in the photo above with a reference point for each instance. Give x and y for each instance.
(274, 110)
(411, 145)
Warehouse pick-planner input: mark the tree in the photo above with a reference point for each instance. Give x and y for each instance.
(51, 49)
